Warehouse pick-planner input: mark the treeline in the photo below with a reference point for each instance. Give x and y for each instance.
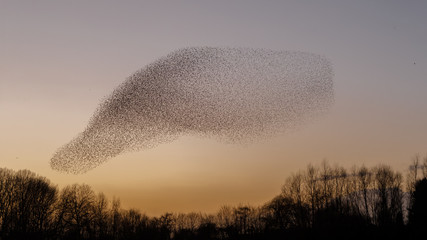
(323, 201)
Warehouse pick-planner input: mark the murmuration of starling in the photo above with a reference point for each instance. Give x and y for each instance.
(236, 95)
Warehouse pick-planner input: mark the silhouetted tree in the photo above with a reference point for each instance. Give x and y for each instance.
(282, 213)
(418, 208)
(294, 189)
(318, 202)
(224, 221)
(75, 211)
(26, 205)
(364, 177)
(389, 202)
(6, 201)
(312, 191)
(134, 224)
(101, 217)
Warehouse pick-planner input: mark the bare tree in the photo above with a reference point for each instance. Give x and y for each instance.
(241, 219)
(6, 200)
(116, 218)
(75, 210)
(312, 190)
(326, 184)
(339, 183)
(389, 201)
(101, 216)
(282, 213)
(412, 176)
(133, 224)
(224, 220)
(190, 221)
(424, 167)
(365, 185)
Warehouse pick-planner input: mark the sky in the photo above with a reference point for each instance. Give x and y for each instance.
(60, 59)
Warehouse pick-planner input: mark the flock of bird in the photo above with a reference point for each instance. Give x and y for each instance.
(236, 95)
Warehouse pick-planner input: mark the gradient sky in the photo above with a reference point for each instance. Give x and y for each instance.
(59, 59)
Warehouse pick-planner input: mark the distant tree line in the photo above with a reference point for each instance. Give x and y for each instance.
(323, 201)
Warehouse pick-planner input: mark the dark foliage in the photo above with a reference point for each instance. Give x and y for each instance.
(323, 202)
(418, 210)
